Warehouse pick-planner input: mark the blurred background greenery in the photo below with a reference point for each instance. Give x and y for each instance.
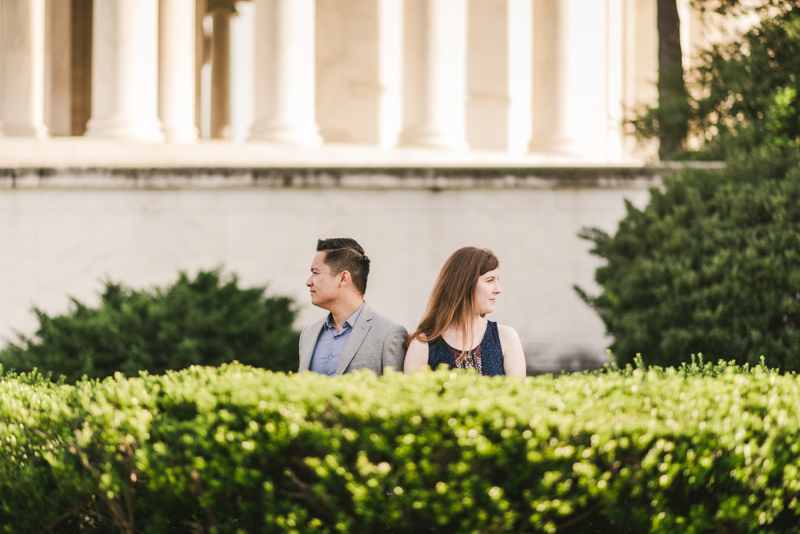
(740, 97)
(205, 320)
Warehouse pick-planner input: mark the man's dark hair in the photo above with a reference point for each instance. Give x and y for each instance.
(345, 254)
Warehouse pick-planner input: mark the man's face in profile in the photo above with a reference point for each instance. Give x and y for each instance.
(323, 285)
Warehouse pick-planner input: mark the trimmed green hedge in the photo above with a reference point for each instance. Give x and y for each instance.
(236, 449)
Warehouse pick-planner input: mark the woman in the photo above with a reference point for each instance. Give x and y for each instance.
(454, 330)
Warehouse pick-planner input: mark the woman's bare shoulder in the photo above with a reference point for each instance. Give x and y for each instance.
(417, 344)
(513, 353)
(507, 332)
(416, 356)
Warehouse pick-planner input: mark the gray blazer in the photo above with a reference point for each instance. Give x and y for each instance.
(375, 343)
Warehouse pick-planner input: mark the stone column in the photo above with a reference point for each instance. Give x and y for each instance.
(640, 70)
(359, 67)
(22, 67)
(499, 75)
(201, 57)
(57, 68)
(570, 90)
(615, 79)
(221, 12)
(176, 69)
(125, 70)
(435, 74)
(549, 73)
(390, 71)
(284, 73)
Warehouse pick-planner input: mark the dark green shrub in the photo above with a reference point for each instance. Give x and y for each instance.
(240, 450)
(207, 320)
(712, 265)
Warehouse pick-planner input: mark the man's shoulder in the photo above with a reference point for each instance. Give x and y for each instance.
(384, 324)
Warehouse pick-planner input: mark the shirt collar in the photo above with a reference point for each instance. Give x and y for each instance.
(349, 322)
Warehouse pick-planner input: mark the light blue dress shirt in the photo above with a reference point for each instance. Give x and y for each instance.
(330, 345)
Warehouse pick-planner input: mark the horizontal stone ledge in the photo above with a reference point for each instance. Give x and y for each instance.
(350, 177)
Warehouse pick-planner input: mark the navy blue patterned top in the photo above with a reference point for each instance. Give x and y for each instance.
(486, 358)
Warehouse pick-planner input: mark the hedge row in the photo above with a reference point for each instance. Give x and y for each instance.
(236, 449)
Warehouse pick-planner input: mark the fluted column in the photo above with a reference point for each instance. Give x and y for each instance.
(202, 55)
(435, 74)
(221, 12)
(615, 80)
(640, 70)
(359, 67)
(499, 75)
(390, 71)
(551, 30)
(572, 80)
(284, 73)
(176, 70)
(58, 69)
(125, 70)
(22, 67)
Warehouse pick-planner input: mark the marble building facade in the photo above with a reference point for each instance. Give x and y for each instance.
(515, 76)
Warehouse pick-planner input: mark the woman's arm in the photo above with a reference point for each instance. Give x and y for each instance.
(513, 357)
(416, 357)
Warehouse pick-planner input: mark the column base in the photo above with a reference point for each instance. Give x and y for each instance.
(560, 146)
(432, 139)
(25, 130)
(180, 135)
(308, 136)
(125, 130)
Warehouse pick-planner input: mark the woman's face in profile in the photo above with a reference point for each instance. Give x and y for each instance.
(486, 291)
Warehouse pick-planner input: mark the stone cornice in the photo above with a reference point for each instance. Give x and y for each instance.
(387, 177)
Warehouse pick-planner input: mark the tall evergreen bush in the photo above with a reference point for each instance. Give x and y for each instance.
(711, 265)
(207, 320)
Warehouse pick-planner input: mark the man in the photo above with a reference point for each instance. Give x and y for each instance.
(352, 336)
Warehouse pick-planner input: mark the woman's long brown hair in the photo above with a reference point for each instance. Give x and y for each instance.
(452, 300)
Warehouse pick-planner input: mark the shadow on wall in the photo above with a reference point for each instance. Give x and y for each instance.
(541, 361)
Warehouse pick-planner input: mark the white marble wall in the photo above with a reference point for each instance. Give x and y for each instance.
(55, 243)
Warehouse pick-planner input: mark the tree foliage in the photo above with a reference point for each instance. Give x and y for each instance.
(744, 7)
(710, 265)
(208, 320)
(743, 95)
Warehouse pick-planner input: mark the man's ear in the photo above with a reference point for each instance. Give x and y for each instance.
(344, 278)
